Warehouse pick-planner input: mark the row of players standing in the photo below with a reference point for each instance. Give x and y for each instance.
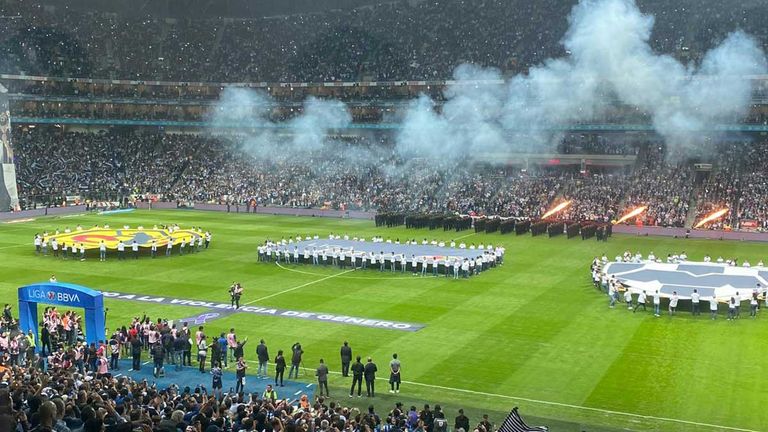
(343, 257)
(675, 258)
(42, 244)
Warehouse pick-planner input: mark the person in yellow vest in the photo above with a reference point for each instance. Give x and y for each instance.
(270, 394)
(31, 346)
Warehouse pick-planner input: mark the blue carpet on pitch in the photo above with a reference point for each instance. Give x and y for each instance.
(190, 376)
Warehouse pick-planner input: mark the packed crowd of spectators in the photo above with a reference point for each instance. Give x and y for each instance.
(603, 144)
(721, 187)
(426, 186)
(391, 41)
(105, 165)
(665, 188)
(594, 197)
(354, 173)
(66, 385)
(367, 173)
(107, 110)
(752, 202)
(203, 168)
(737, 182)
(370, 112)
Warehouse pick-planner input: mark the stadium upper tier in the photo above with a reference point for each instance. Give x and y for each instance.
(394, 41)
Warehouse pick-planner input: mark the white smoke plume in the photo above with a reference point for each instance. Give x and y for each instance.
(610, 61)
(274, 140)
(310, 129)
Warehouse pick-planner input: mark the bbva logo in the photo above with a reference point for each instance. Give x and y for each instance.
(61, 297)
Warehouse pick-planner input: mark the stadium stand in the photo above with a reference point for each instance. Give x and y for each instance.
(665, 188)
(391, 41)
(754, 188)
(396, 41)
(204, 168)
(595, 197)
(736, 183)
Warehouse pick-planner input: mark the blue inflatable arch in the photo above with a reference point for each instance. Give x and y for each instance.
(67, 296)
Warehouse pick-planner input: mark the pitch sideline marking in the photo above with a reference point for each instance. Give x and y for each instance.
(559, 404)
(297, 287)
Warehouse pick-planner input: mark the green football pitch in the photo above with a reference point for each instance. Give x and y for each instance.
(532, 333)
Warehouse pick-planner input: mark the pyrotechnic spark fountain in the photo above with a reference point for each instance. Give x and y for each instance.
(712, 217)
(631, 214)
(556, 209)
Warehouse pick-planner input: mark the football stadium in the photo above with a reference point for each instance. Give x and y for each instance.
(367, 216)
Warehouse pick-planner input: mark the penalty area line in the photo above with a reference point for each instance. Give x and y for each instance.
(297, 287)
(560, 404)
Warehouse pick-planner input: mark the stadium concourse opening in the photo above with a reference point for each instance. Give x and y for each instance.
(163, 240)
(386, 256)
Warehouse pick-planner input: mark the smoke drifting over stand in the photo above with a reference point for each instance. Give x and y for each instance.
(267, 139)
(610, 61)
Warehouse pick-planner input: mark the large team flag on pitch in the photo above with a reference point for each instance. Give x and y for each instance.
(515, 423)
